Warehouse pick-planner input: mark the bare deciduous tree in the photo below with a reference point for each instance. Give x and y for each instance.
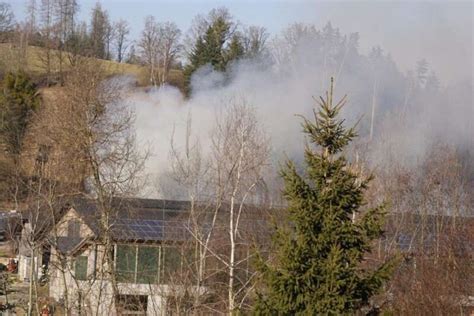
(254, 40)
(48, 31)
(7, 19)
(189, 169)
(224, 189)
(65, 12)
(122, 31)
(149, 45)
(159, 44)
(101, 124)
(169, 48)
(100, 32)
(240, 154)
(429, 223)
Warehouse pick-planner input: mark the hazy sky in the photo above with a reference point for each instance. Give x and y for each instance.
(441, 32)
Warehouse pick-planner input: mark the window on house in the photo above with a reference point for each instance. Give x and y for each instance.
(126, 263)
(80, 270)
(73, 228)
(171, 262)
(145, 264)
(132, 304)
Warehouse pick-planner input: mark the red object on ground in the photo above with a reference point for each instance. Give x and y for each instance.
(45, 311)
(12, 266)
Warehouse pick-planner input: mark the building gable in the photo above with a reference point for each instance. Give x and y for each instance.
(72, 225)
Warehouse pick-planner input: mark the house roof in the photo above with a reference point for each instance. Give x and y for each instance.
(68, 244)
(143, 220)
(8, 219)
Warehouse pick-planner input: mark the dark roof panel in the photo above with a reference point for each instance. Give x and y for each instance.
(138, 219)
(68, 244)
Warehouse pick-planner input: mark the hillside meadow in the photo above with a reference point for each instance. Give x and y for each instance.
(33, 60)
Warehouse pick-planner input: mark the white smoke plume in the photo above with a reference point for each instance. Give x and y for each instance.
(406, 123)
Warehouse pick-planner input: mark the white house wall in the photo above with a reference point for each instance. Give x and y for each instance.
(98, 294)
(25, 256)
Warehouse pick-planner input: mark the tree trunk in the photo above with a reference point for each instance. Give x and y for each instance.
(231, 259)
(30, 290)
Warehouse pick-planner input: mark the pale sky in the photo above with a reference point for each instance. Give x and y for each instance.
(440, 31)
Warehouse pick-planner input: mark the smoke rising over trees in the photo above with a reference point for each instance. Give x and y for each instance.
(400, 113)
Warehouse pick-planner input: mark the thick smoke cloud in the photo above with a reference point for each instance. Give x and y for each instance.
(412, 111)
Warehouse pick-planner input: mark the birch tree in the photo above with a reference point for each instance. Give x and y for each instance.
(239, 156)
(149, 48)
(223, 183)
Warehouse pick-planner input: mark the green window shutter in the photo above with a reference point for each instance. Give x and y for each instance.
(81, 268)
(126, 263)
(171, 262)
(147, 265)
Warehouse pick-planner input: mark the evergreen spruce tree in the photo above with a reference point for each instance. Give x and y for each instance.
(317, 268)
(213, 48)
(18, 101)
(215, 39)
(236, 49)
(197, 58)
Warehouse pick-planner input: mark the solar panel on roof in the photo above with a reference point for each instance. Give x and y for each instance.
(150, 229)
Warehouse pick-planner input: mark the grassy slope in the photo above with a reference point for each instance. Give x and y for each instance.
(35, 61)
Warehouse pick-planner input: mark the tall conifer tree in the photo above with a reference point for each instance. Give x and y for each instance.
(318, 263)
(236, 49)
(213, 48)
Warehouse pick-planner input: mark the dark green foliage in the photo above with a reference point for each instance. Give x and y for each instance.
(18, 101)
(318, 267)
(236, 49)
(215, 38)
(212, 48)
(197, 58)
